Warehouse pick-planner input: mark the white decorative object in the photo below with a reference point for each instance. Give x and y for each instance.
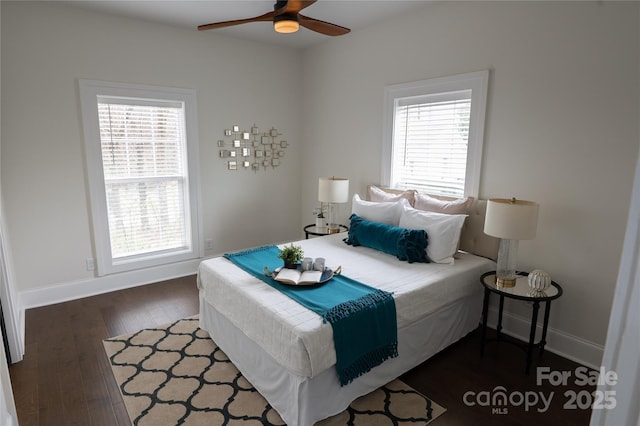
(535, 294)
(539, 280)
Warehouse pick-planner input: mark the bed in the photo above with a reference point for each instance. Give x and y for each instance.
(287, 352)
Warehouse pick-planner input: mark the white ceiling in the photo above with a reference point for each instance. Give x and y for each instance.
(353, 14)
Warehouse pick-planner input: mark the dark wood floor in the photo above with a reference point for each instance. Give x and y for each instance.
(459, 370)
(65, 377)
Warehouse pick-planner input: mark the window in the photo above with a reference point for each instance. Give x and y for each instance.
(141, 147)
(433, 133)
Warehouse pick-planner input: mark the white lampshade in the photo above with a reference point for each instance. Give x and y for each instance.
(511, 219)
(333, 190)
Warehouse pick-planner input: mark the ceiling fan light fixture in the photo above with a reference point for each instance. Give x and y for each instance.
(286, 24)
(286, 18)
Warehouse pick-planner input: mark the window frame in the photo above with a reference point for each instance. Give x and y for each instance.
(90, 91)
(477, 82)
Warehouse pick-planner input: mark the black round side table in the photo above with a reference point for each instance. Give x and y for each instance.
(317, 230)
(521, 291)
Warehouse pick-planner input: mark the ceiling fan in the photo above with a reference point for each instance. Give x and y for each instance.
(286, 18)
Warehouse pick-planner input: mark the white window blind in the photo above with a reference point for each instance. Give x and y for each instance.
(433, 134)
(141, 146)
(145, 175)
(430, 143)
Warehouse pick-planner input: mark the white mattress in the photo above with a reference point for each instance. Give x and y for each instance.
(295, 337)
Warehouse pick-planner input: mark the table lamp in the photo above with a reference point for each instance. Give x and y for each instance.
(510, 220)
(331, 191)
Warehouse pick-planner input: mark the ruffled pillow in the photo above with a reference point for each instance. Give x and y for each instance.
(406, 244)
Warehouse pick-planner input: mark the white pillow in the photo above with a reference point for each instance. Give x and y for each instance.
(388, 213)
(443, 231)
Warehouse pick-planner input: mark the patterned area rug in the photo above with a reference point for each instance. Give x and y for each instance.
(176, 375)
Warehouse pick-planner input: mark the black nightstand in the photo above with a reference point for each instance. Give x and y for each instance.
(315, 230)
(521, 291)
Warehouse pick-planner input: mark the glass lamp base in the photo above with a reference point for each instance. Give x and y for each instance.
(506, 272)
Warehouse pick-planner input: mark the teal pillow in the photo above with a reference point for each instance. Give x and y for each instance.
(405, 244)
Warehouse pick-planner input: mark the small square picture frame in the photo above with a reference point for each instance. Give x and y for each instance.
(227, 132)
(275, 162)
(246, 136)
(265, 140)
(280, 154)
(273, 132)
(255, 166)
(246, 152)
(220, 143)
(236, 128)
(265, 163)
(284, 144)
(236, 143)
(254, 130)
(246, 164)
(232, 165)
(258, 153)
(267, 153)
(256, 143)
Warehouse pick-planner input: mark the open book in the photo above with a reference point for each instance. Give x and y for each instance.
(293, 276)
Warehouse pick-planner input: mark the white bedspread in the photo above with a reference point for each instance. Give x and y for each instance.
(295, 336)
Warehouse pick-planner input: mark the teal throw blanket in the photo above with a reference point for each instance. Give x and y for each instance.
(363, 318)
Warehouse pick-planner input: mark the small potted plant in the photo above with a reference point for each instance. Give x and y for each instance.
(291, 255)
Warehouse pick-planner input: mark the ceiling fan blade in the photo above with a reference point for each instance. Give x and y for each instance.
(295, 6)
(322, 27)
(266, 17)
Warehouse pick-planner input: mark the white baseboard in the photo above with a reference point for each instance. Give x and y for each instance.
(99, 285)
(560, 343)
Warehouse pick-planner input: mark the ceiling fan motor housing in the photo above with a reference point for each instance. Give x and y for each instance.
(280, 4)
(286, 17)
